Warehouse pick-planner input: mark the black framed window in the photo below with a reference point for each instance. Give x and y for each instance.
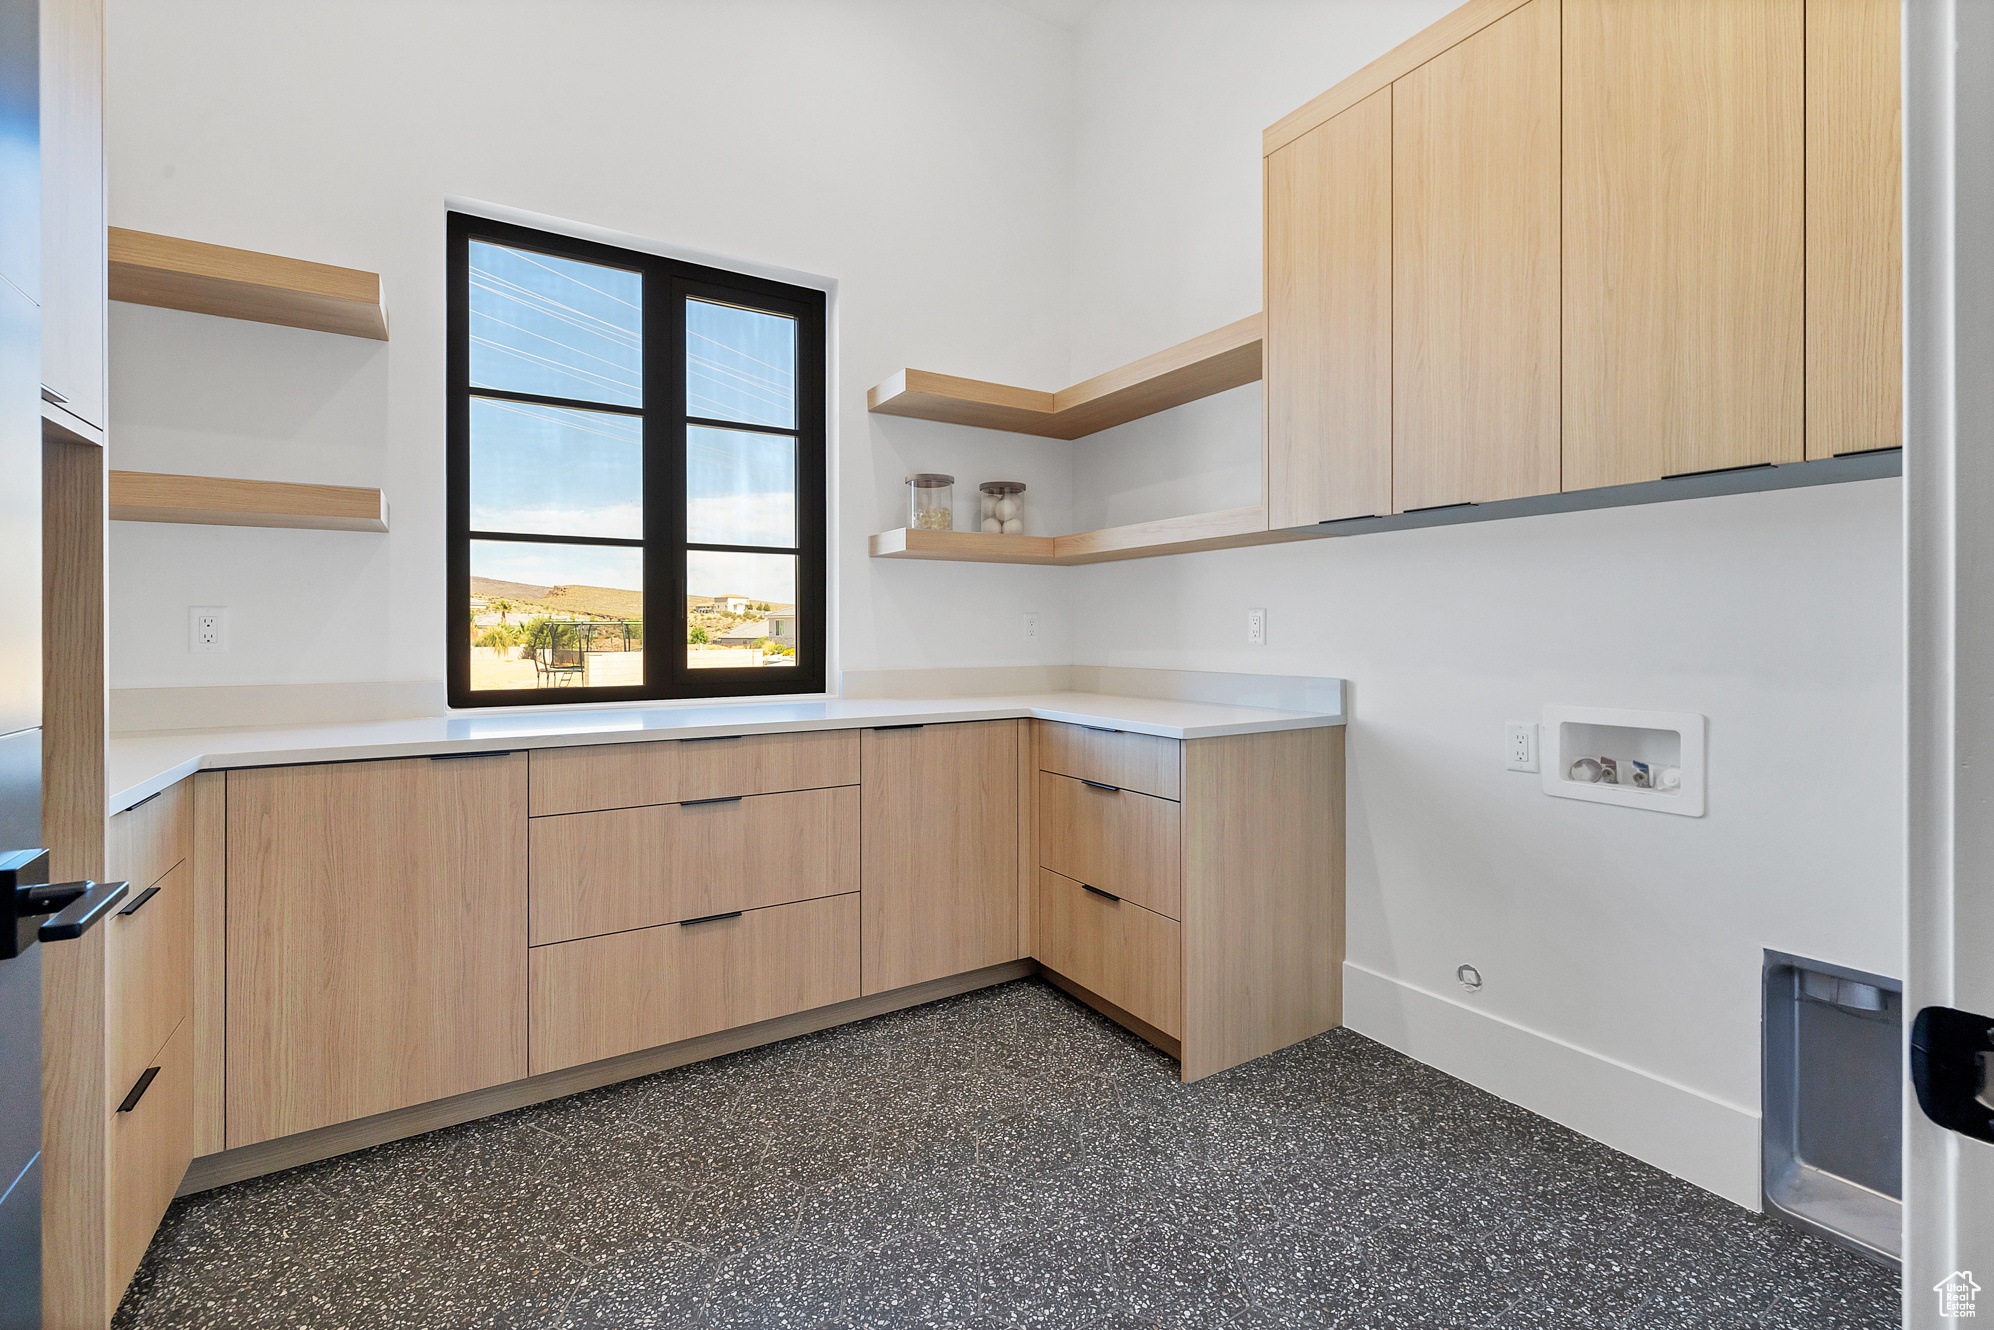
(636, 475)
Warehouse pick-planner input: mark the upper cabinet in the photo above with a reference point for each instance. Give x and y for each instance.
(1855, 240)
(1329, 319)
(1475, 249)
(1558, 245)
(73, 246)
(1684, 237)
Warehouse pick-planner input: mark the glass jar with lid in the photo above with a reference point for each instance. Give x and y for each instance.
(1003, 510)
(931, 500)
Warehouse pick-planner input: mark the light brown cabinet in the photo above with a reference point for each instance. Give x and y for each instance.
(1855, 225)
(74, 258)
(1131, 956)
(377, 919)
(1114, 839)
(1627, 241)
(1329, 319)
(1684, 237)
(629, 775)
(1475, 264)
(941, 850)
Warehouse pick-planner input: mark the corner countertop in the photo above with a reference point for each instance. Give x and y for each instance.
(143, 764)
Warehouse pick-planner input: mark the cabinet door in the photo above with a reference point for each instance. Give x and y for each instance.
(939, 883)
(74, 270)
(1475, 161)
(1329, 319)
(1855, 240)
(376, 938)
(1683, 328)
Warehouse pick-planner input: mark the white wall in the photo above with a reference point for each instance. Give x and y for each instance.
(1620, 948)
(913, 152)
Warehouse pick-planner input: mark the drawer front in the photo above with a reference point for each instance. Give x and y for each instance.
(147, 1152)
(1120, 841)
(1131, 956)
(630, 775)
(148, 967)
(601, 996)
(1141, 762)
(595, 873)
(144, 842)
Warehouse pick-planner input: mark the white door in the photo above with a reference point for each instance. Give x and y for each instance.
(1949, 570)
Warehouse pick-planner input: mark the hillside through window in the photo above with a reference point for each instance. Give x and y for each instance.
(636, 475)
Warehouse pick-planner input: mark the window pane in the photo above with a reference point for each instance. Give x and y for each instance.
(555, 327)
(740, 364)
(740, 610)
(547, 470)
(556, 616)
(740, 488)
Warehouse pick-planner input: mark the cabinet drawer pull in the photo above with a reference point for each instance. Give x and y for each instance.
(723, 799)
(709, 918)
(1098, 892)
(143, 897)
(143, 802)
(462, 757)
(710, 738)
(1097, 785)
(880, 728)
(143, 1084)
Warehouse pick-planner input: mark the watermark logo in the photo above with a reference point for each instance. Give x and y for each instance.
(1956, 1292)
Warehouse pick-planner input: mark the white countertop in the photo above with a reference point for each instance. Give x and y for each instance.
(141, 765)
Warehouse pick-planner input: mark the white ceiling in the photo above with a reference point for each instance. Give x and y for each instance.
(1068, 14)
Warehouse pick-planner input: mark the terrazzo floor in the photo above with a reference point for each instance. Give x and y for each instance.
(1002, 1158)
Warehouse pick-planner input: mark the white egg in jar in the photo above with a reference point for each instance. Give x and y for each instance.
(1014, 527)
(994, 527)
(1006, 509)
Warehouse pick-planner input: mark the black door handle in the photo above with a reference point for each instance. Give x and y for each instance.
(21, 872)
(1098, 892)
(82, 904)
(138, 1090)
(1952, 1068)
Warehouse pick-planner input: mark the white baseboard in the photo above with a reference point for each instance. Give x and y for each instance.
(1679, 1130)
(231, 706)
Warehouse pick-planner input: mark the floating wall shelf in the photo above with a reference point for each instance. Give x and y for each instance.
(1176, 535)
(157, 270)
(1227, 358)
(147, 496)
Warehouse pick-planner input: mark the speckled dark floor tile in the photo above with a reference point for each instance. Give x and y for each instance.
(1006, 1158)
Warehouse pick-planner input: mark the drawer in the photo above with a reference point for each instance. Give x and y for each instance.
(601, 996)
(1120, 841)
(147, 1151)
(1131, 956)
(629, 775)
(148, 973)
(596, 873)
(146, 840)
(1141, 762)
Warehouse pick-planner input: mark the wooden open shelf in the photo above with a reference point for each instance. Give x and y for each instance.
(1175, 535)
(1227, 358)
(157, 270)
(148, 496)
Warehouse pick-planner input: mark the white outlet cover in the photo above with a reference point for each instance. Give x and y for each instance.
(1031, 625)
(196, 642)
(1256, 628)
(1519, 745)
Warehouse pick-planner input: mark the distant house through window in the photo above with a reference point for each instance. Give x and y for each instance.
(636, 475)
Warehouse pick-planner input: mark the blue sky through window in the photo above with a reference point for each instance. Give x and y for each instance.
(556, 327)
(552, 471)
(740, 364)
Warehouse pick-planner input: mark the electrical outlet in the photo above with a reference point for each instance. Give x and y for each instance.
(1256, 628)
(1520, 745)
(207, 629)
(1031, 625)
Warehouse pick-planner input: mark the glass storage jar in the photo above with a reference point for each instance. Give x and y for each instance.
(932, 501)
(1003, 510)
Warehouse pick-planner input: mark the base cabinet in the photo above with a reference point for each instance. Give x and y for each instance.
(1132, 957)
(940, 863)
(376, 938)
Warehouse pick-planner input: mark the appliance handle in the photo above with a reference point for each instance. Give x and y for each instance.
(85, 907)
